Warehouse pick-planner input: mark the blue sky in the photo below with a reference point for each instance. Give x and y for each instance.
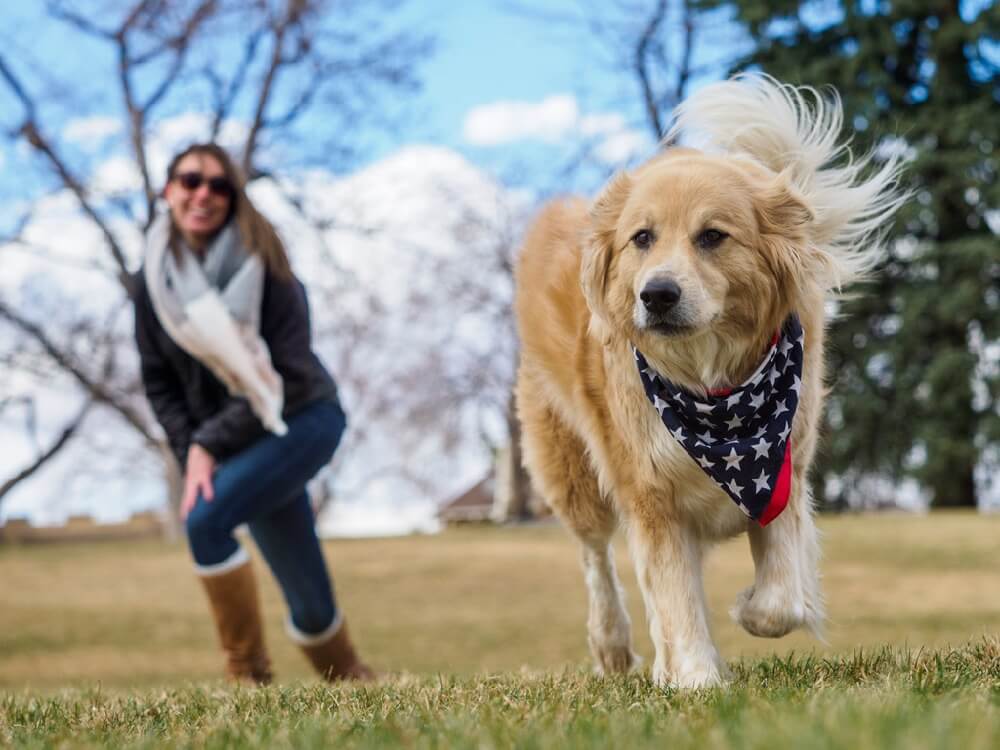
(489, 53)
(484, 53)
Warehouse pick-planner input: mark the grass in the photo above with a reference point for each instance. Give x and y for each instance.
(110, 645)
(880, 699)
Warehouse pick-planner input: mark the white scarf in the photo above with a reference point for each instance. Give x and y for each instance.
(211, 309)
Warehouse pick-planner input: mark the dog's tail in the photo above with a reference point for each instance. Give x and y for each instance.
(796, 131)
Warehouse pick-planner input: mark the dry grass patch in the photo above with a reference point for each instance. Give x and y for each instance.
(471, 601)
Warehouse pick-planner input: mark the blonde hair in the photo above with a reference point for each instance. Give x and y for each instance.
(256, 232)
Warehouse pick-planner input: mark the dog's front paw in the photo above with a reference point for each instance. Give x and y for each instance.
(691, 674)
(613, 655)
(771, 612)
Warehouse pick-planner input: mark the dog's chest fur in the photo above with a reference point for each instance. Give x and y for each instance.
(649, 458)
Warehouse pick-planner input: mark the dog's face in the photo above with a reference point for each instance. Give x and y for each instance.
(691, 243)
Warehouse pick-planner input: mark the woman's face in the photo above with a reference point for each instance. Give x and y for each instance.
(199, 195)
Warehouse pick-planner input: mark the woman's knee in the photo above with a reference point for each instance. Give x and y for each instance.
(203, 527)
(313, 617)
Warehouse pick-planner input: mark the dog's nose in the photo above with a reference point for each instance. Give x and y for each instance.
(660, 295)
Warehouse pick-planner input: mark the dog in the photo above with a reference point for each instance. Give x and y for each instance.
(692, 295)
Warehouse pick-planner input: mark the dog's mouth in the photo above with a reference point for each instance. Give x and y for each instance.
(670, 328)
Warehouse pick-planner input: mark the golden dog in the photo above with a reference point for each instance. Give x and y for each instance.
(699, 262)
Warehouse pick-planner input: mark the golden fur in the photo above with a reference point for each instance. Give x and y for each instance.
(593, 444)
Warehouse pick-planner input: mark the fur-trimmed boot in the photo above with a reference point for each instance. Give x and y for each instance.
(233, 599)
(333, 655)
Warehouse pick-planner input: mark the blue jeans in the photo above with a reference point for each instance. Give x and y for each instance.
(263, 486)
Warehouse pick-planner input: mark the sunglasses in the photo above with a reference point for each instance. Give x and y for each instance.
(216, 185)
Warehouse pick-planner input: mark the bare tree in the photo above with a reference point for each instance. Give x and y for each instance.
(658, 47)
(472, 347)
(298, 79)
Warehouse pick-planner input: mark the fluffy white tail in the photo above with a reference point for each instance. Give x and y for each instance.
(795, 131)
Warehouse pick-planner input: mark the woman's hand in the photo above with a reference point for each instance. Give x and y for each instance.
(197, 476)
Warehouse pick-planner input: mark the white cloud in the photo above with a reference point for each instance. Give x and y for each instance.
(602, 123)
(117, 175)
(504, 122)
(622, 147)
(190, 126)
(556, 119)
(90, 131)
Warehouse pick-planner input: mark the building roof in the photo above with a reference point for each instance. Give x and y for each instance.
(475, 504)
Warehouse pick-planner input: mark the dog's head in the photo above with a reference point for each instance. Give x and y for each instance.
(692, 244)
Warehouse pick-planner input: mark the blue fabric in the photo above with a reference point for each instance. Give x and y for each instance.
(264, 487)
(740, 436)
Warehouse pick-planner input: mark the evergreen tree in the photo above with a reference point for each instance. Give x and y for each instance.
(914, 360)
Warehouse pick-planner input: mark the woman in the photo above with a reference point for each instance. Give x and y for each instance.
(222, 328)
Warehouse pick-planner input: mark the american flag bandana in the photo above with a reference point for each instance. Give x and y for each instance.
(739, 436)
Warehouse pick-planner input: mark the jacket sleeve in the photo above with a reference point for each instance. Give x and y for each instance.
(161, 382)
(285, 330)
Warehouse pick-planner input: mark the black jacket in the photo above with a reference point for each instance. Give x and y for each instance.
(193, 406)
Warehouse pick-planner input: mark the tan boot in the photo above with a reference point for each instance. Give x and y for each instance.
(335, 658)
(233, 599)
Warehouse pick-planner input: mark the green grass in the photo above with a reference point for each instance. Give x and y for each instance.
(482, 633)
(878, 699)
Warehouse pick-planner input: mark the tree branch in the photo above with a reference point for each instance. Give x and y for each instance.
(641, 64)
(296, 10)
(684, 69)
(83, 23)
(44, 457)
(224, 101)
(181, 44)
(31, 133)
(18, 89)
(97, 391)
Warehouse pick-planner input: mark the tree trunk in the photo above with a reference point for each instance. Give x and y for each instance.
(958, 492)
(512, 494)
(174, 478)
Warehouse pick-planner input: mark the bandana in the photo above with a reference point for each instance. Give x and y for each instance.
(740, 437)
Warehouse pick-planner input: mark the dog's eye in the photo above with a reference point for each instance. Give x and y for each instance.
(710, 239)
(643, 239)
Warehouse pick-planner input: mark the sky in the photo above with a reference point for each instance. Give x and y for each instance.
(506, 86)
(535, 82)
(473, 65)
(497, 62)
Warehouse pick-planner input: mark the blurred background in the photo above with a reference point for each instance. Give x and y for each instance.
(401, 147)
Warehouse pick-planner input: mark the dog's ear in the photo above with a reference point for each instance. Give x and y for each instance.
(599, 247)
(784, 220)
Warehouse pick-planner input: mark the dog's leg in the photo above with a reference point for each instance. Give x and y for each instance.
(609, 629)
(561, 469)
(668, 560)
(785, 594)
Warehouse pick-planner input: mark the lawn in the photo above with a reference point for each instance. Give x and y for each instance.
(482, 633)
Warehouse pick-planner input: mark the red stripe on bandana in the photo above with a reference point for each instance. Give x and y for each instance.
(779, 498)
